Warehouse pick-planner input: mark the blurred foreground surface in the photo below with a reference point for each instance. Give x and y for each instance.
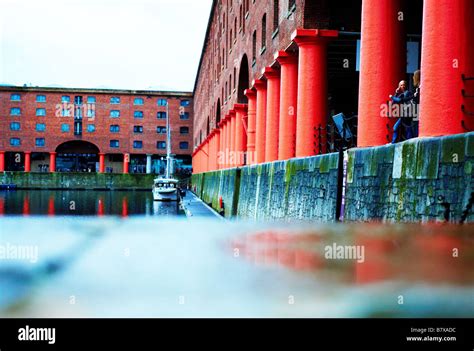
(165, 266)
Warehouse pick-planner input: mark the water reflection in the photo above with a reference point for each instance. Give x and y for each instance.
(83, 203)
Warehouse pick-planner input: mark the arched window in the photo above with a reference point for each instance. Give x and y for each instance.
(254, 46)
(276, 13)
(264, 31)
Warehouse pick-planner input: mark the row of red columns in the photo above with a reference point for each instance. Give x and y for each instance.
(52, 162)
(288, 103)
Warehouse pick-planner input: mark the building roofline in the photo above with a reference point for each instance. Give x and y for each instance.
(97, 91)
(208, 30)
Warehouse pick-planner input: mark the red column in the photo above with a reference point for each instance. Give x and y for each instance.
(445, 57)
(206, 155)
(273, 113)
(51, 209)
(52, 162)
(2, 161)
(288, 102)
(218, 149)
(100, 207)
(101, 163)
(27, 161)
(261, 87)
(232, 136)
(126, 161)
(251, 124)
(124, 207)
(240, 133)
(228, 142)
(382, 66)
(312, 88)
(26, 206)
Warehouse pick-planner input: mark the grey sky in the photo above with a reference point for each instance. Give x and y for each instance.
(131, 44)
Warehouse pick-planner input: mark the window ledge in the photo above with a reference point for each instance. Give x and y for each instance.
(275, 33)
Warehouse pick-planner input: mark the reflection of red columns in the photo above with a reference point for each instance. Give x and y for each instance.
(100, 207)
(217, 148)
(251, 121)
(126, 161)
(261, 115)
(2, 206)
(312, 89)
(382, 66)
(26, 206)
(2, 161)
(240, 134)
(52, 162)
(27, 161)
(273, 113)
(446, 28)
(101, 163)
(288, 100)
(51, 210)
(124, 207)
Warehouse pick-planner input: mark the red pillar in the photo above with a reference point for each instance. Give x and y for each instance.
(27, 161)
(126, 161)
(101, 163)
(312, 89)
(52, 162)
(217, 149)
(288, 102)
(2, 161)
(445, 57)
(240, 133)
(261, 115)
(273, 113)
(232, 136)
(251, 124)
(382, 66)
(228, 142)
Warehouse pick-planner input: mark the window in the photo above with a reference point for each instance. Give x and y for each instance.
(65, 99)
(183, 130)
(138, 114)
(15, 141)
(90, 112)
(91, 99)
(138, 129)
(185, 103)
(114, 143)
(276, 14)
(264, 33)
(40, 127)
(161, 130)
(137, 144)
(161, 115)
(78, 100)
(15, 111)
(162, 102)
(114, 128)
(40, 98)
(15, 126)
(91, 128)
(114, 113)
(41, 112)
(115, 100)
(183, 145)
(65, 128)
(15, 97)
(39, 142)
(184, 115)
(66, 112)
(161, 145)
(138, 101)
(254, 47)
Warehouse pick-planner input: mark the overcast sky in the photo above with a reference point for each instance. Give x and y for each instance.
(130, 44)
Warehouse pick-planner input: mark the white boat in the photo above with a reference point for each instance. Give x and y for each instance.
(166, 188)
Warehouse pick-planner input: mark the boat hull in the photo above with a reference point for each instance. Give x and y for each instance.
(165, 196)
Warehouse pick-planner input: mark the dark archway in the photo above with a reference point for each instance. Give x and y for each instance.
(77, 156)
(243, 80)
(218, 112)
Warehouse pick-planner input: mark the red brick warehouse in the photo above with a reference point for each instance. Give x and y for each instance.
(273, 72)
(119, 131)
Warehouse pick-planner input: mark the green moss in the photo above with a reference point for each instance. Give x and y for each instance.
(427, 160)
(468, 168)
(409, 151)
(453, 148)
(350, 167)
